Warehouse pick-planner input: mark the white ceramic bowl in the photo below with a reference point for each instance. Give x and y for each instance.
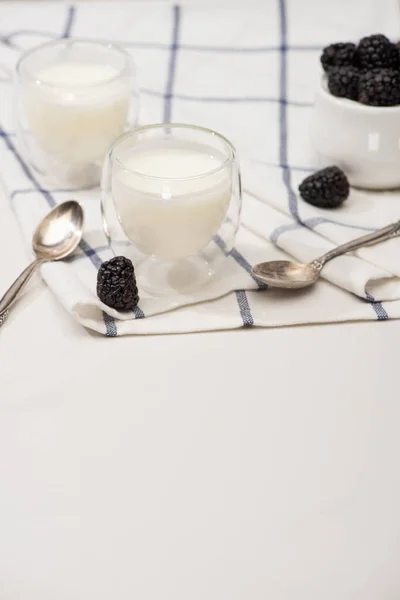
(363, 140)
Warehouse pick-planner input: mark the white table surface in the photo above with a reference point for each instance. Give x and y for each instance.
(229, 466)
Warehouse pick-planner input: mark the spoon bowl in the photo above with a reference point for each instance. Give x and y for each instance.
(56, 237)
(60, 231)
(286, 274)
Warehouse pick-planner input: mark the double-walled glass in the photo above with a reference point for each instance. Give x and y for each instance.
(171, 201)
(74, 98)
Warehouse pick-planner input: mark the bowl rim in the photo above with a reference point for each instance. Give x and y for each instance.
(353, 105)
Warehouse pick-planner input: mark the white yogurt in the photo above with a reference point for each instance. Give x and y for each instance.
(171, 198)
(76, 110)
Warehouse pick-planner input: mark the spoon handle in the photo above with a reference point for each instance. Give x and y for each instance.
(365, 240)
(13, 292)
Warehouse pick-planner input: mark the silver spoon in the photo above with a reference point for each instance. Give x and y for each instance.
(56, 237)
(286, 274)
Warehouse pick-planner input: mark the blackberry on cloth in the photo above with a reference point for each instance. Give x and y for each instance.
(327, 188)
(116, 284)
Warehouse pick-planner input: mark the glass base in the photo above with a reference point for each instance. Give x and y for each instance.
(73, 177)
(160, 278)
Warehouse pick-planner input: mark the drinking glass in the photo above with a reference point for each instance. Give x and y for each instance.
(171, 202)
(74, 97)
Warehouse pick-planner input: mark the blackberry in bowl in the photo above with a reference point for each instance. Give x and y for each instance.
(356, 116)
(338, 55)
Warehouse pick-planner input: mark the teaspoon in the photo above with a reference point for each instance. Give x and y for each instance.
(56, 237)
(287, 274)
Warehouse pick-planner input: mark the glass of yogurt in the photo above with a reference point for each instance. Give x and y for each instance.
(171, 201)
(74, 98)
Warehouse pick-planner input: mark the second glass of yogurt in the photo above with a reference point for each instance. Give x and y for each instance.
(74, 98)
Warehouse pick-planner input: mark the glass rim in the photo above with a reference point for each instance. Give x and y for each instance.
(129, 62)
(212, 132)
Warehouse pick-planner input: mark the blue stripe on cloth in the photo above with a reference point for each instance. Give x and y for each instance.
(381, 313)
(311, 224)
(50, 200)
(315, 221)
(222, 99)
(276, 234)
(7, 40)
(248, 49)
(244, 308)
(283, 153)
(96, 250)
(283, 150)
(89, 252)
(218, 100)
(240, 259)
(41, 190)
(111, 328)
(69, 21)
(176, 19)
(138, 313)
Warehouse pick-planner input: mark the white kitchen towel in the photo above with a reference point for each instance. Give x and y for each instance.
(249, 70)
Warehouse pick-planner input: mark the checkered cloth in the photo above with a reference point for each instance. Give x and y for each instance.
(248, 70)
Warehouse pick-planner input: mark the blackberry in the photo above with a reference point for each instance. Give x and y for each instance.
(395, 61)
(327, 188)
(375, 51)
(116, 284)
(379, 87)
(338, 55)
(343, 82)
